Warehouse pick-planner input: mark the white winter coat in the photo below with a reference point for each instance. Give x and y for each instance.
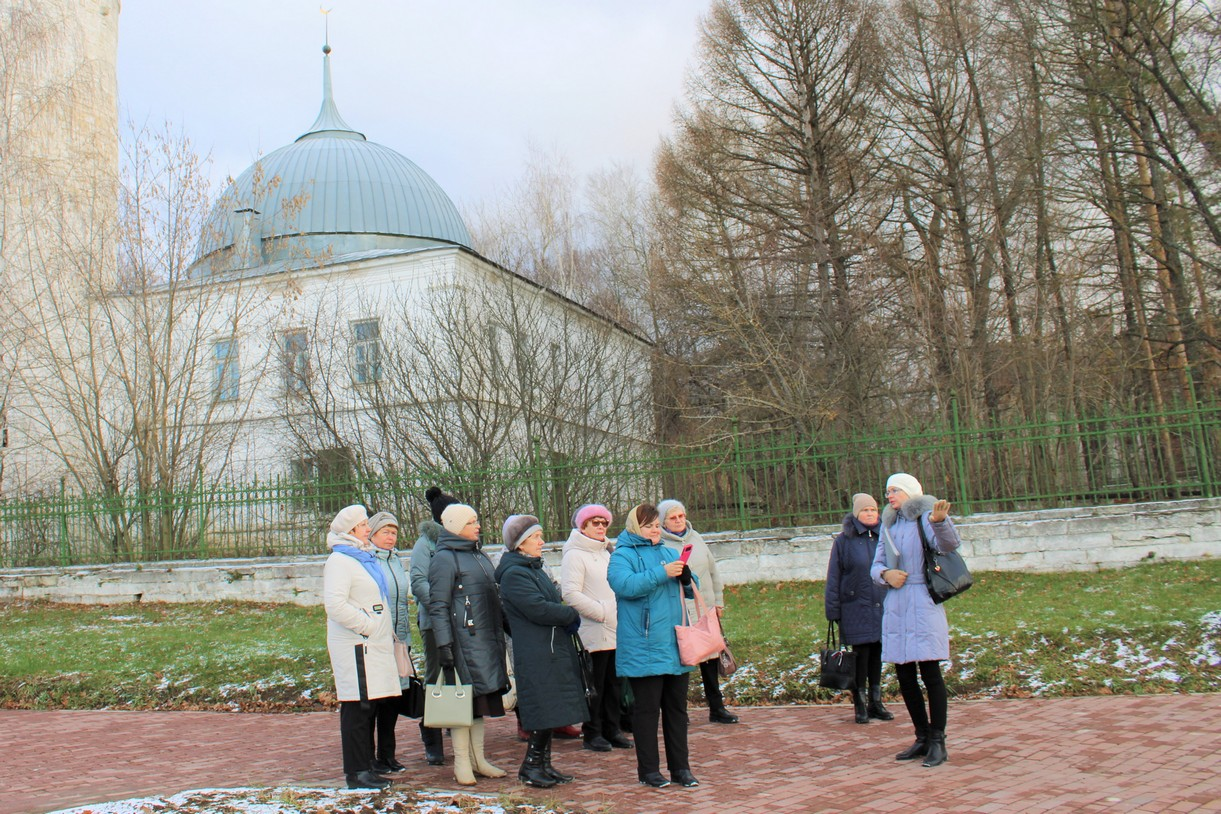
(359, 627)
(583, 585)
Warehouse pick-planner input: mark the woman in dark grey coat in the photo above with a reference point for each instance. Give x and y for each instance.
(467, 621)
(855, 602)
(549, 689)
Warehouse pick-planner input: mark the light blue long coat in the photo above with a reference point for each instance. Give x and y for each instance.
(913, 628)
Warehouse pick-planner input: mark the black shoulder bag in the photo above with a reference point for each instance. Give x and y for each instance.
(946, 574)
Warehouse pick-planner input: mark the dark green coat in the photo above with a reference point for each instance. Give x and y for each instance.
(548, 675)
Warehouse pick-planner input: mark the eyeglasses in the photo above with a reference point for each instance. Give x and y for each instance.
(599, 522)
(894, 490)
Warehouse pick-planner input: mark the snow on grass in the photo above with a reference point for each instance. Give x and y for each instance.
(288, 800)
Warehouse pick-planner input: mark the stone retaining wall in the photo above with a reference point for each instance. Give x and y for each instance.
(1053, 540)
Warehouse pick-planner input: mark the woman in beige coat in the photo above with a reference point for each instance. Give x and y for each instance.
(584, 587)
(676, 532)
(360, 639)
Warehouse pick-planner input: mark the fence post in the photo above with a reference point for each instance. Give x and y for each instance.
(1197, 428)
(200, 508)
(539, 485)
(739, 468)
(964, 503)
(65, 547)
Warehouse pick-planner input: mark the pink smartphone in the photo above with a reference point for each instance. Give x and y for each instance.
(686, 553)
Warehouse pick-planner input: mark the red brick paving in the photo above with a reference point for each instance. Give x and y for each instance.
(1104, 754)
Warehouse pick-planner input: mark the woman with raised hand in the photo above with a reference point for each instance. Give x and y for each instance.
(468, 623)
(915, 633)
(360, 640)
(549, 689)
(649, 584)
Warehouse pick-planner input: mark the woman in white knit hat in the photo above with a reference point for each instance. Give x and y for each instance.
(467, 621)
(915, 633)
(677, 532)
(360, 640)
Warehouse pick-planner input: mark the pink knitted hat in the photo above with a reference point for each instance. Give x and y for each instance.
(589, 511)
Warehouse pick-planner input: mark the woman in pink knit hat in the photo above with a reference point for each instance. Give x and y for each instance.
(584, 587)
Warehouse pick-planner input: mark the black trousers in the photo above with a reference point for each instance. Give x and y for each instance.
(386, 717)
(913, 699)
(712, 684)
(667, 695)
(868, 665)
(432, 666)
(604, 719)
(356, 734)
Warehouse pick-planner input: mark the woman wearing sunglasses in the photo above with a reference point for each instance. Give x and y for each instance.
(584, 586)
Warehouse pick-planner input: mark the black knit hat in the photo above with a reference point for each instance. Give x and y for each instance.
(438, 500)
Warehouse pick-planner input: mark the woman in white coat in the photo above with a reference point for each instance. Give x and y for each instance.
(360, 639)
(584, 587)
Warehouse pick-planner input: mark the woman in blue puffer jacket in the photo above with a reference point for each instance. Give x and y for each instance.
(648, 581)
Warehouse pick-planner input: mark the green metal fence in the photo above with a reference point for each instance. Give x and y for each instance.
(739, 484)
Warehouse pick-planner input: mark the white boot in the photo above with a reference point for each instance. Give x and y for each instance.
(481, 763)
(460, 737)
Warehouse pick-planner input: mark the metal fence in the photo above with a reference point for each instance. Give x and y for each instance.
(739, 484)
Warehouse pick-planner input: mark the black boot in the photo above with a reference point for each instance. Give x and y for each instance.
(552, 772)
(367, 780)
(875, 708)
(532, 772)
(859, 707)
(434, 745)
(936, 748)
(719, 715)
(917, 749)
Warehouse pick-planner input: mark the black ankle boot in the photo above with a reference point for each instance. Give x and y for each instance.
(434, 745)
(936, 748)
(367, 780)
(719, 715)
(875, 708)
(532, 772)
(859, 707)
(917, 749)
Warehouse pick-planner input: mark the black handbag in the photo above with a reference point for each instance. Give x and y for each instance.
(838, 666)
(411, 703)
(945, 574)
(586, 660)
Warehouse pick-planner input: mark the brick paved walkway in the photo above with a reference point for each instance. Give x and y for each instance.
(1119, 753)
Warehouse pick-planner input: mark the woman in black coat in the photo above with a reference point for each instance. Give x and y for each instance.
(468, 623)
(549, 689)
(855, 602)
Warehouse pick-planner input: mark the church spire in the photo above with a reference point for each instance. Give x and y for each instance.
(329, 122)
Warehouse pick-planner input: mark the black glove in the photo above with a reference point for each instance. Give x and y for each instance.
(685, 576)
(445, 655)
(572, 627)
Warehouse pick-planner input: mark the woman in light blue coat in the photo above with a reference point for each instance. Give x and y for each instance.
(648, 580)
(383, 534)
(915, 633)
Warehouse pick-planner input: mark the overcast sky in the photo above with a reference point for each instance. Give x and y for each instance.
(461, 87)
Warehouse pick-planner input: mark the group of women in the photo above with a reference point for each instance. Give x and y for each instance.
(619, 602)
(877, 592)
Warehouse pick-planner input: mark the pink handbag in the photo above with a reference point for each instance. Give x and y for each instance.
(700, 640)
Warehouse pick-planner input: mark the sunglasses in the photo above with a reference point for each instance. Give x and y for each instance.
(599, 522)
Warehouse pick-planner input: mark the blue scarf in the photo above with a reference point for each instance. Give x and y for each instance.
(370, 563)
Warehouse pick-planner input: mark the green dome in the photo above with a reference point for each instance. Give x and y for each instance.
(330, 190)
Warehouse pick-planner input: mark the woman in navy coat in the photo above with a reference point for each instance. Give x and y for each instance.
(855, 602)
